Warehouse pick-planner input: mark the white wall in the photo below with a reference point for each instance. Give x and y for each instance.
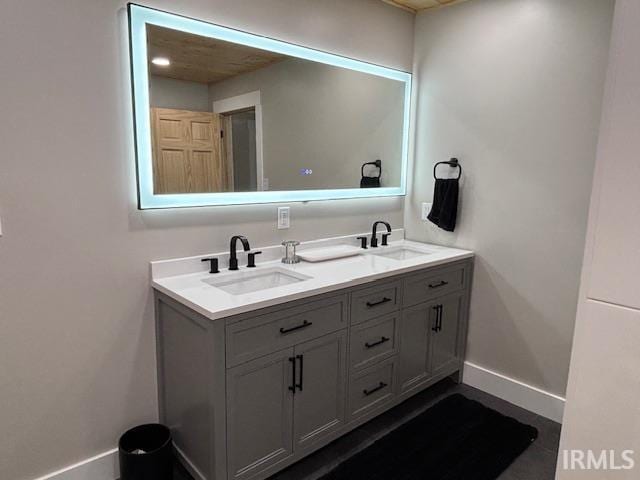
(602, 397)
(77, 363)
(513, 88)
(328, 119)
(167, 92)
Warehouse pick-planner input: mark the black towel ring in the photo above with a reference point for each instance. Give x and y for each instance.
(377, 164)
(452, 163)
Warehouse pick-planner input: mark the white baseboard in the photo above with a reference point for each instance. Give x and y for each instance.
(514, 391)
(104, 466)
(188, 464)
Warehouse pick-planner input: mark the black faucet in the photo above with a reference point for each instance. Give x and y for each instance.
(233, 259)
(374, 239)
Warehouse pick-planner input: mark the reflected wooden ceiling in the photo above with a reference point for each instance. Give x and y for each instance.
(419, 5)
(202, 59)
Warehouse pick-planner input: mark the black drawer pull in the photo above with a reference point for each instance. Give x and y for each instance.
(375, 344)
(438, 285)
(304, 324)
(299, 384)
(380, 302)
(438, 324)
(293, 375)
(375, 389)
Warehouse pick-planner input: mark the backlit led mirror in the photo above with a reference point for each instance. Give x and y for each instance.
(227, 117)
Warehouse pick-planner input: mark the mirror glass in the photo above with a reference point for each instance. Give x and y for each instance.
(227, 117)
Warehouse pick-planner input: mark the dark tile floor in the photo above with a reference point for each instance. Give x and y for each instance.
(538, 462)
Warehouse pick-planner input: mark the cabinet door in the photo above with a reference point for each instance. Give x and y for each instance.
(319, 405)
(259, 413)
(444, 333)
(414, 345)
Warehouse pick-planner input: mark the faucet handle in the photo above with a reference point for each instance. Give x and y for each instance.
(385, 236)
(252, 259)
(213, 268)
(363, 241)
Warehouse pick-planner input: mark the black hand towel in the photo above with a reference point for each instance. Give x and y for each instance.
(445, 203)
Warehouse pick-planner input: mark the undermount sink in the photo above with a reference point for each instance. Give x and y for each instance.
(248, 282)
(400, 253)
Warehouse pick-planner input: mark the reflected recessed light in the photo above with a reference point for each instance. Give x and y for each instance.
(161, 61)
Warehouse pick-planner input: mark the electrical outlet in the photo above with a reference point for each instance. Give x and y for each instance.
(283, 217)
(426, 209)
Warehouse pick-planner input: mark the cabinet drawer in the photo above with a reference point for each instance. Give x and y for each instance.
(256, 336)
(372, 388)
(375, 301)
(374, 340)
(424, 287)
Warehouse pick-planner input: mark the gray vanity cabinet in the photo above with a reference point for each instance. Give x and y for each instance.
(444, 331)
(267, 421)
(374, 340)
(413, 359)
(259, 413)
(430, 342)
(319, 407)
(371, 389)
(248, 395)
(433, 325)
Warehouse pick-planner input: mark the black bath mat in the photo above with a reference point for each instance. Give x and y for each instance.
(456, 439)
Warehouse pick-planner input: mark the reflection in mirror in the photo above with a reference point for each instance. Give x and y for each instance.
(225, 117)
(233, 118)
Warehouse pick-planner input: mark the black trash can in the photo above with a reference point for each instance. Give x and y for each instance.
(145, 453)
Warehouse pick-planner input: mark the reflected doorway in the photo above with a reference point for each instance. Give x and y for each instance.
(240, 129)
(242, 141)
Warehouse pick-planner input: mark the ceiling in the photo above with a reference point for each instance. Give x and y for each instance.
(418, 5)
(202, 59)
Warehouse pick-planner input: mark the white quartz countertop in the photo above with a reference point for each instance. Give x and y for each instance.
(191, 289)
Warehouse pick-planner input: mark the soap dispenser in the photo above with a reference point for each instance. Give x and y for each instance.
(290, 256)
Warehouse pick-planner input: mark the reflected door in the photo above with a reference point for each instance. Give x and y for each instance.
(187, 152)
(242, 155)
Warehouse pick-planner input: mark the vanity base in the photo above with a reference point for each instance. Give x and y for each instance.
(188, 465)
(248, 395)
